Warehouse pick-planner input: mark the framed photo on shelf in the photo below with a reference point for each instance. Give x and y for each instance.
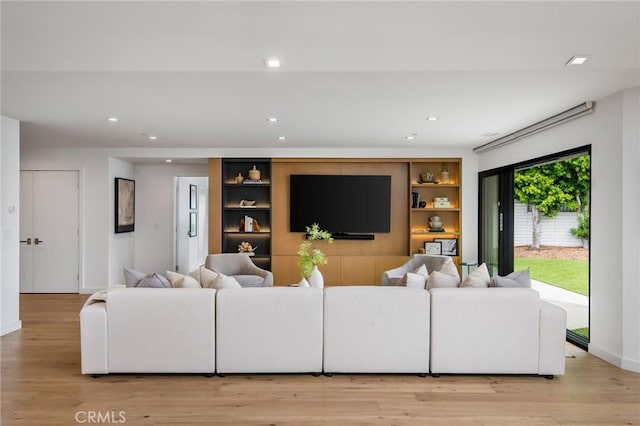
(193, 197)
(449, 246)
(125, 205)
(193, 224)
(433, 247)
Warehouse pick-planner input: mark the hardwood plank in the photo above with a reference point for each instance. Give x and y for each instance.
(42, 385)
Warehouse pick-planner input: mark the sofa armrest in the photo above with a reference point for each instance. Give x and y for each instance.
(553, 329)
(93, 339)
(392, 276)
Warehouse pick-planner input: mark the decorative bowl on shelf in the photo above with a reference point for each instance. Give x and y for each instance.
(247, 203)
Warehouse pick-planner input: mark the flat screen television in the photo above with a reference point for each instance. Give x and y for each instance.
(340, 203)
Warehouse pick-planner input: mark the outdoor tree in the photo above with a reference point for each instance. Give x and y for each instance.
(549, 187)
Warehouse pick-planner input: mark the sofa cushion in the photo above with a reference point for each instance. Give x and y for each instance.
(479, 277)
(139, 279)
(447, 276)
(249, 280)
(224, 281)
(417, 279)
(181, 281)
(207, 277)
(514, 279)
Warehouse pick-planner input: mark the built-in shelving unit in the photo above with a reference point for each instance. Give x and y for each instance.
(233, 192)
(451, 216)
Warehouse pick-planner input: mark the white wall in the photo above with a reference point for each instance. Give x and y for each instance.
(612, 132)
(10, 247)
(155, 213)
(96, 209)
(631, 229)
(122, 245)
(101, 265)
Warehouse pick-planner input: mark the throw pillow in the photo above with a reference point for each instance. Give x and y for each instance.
(420, 270)
(223, 281)
(154, 281)
(414, 280)
(514, 279)
(181, 281)
(439, 280)
(139, 279)
(207, 277)
(477, 278)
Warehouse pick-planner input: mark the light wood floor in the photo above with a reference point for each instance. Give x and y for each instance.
(42, 384)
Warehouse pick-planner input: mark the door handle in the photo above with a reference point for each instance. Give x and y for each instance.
(38, 241)
(28, 241)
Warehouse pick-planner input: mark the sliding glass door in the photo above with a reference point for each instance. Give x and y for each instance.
(496, 233)
(547, 201)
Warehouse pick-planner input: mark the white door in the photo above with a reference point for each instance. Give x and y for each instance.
(49, 232)
(191, 239)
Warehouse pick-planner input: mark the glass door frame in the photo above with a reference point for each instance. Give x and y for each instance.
(506, 221)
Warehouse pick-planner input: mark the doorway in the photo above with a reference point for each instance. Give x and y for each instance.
(191, 212)
(49, 231)
(536, 216)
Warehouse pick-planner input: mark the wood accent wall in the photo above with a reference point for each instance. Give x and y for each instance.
(350, 261)
(215, 205)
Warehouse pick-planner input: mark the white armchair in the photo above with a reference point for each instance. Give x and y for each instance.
(431, 261)
(240, 267)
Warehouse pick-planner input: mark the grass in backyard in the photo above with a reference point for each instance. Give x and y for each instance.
(582, 331)
(570, 274)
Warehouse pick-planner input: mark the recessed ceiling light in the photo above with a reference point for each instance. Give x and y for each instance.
(578, 59)
(168, 160)
(272, 119)
(282, 138)
(153, 138)
(113, 119)
(272, 63)
(410, 137)
(433, 118)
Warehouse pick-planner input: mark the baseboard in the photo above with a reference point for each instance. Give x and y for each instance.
(605, 355)
(631, 365)
(10, 328)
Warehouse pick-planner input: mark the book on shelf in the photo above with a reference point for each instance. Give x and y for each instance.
(251, 181)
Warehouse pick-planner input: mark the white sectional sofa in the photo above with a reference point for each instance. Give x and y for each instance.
(357, 329)
(376, 330)
(269, 330)
(150, 330)
(495, 331)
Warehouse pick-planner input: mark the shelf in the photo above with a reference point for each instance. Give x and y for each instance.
(434, 185)
(433, 234)
(246, 185)
(247, 233)
(244, 209)
(431, 209)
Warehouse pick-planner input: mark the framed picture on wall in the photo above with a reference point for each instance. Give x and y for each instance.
(449, 246)
(433, 247)
(193, 224)
(193, 197)
(125, 204)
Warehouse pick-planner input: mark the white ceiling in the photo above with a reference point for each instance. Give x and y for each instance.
(355, 74)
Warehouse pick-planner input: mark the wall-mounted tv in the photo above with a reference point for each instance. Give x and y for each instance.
(340, 203)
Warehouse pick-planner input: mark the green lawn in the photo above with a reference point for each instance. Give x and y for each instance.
(582, 331)
(570, 274)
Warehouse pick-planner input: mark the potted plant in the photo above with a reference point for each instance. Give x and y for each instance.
(310, 258)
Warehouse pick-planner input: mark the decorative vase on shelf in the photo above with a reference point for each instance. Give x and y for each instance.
(315, 279)
(303, 283)
(254, 174)
(239, 178)
(444, 174)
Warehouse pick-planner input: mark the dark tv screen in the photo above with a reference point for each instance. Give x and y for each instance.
(340, 203)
